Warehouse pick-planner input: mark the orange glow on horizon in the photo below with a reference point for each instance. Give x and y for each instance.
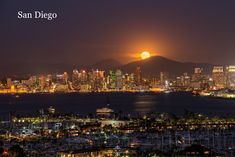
(145, 55)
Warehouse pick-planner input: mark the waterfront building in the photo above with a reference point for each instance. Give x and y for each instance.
(59, 79)
(178, 82)
(218, 76)
(230, 76)
(186, 80)
(183, 81)
(197, 79)
(112, 79)
(138, 76)
(41, 83)
(119, 79)
(82, 76)
(9, 82)
(65, 78)
(197, 76)
(85, 88)
(97, 80)
(164, 77)
(75, 78)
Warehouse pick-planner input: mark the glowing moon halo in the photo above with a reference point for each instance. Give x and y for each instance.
(145, 55)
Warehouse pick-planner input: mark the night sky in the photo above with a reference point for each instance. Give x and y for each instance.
(91, 30)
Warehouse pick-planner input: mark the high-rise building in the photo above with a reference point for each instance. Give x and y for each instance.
(60, 78)
(198, 79)
(119, 79)
(164, 77)
(218, 76)
(48, 80)
(83, 76)
(137, 76)
(112, 79)
(75, 79)
(183, 81)
(230, 76)
(197, 76)
(97, 80)
(178, 81)
(41, 82)
(75, 75)
(65, 77)
(9, 82)
(186, 80)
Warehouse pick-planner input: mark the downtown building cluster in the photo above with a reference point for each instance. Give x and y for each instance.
(116, 80)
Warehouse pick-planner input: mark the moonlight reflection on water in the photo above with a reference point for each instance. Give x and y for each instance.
(145, 104)
(129, 103)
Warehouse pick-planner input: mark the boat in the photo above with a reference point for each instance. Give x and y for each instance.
(105, 110)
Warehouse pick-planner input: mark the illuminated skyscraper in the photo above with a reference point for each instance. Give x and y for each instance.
(164, 76)
(218, 76)
(97, 80)
(48, 80)
(198, 75)
(9, 82)
(41, 82)
(230, 76)
(83, 76)
(183, 81)
(65, 77)
(75, 75)
(198, 79)
(60, 78)
(119, 79)
(112, 79)
(75, 79)
(186, 80)
(137, 76)
(179, 82)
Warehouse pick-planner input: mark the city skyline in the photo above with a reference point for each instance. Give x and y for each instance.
(124, 78)
(85, 33)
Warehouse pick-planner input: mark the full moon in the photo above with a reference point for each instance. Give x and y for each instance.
(145, 55)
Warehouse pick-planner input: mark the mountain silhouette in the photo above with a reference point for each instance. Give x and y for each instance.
(156, 64)
(149, 67)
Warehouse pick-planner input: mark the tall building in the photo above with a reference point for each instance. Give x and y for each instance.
(112, 79)
(119, 79)
(9, 82)
(218, 76)
(178, 81)
(60, 78)
(41, 82)
(164, 76)
(198, 79)
(183, 81)
(97, 80)
(137, 76)
(186, 80)
(230, 76)
(65, 77)
(75, 79)
(75, 75)
(197, 76)
(83, 76)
